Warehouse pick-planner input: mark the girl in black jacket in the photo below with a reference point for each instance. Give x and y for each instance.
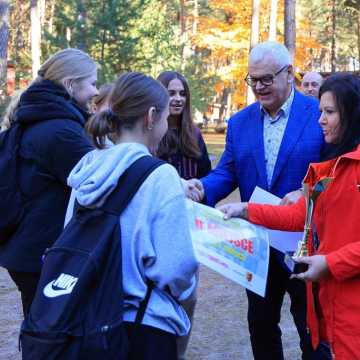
(52, 112)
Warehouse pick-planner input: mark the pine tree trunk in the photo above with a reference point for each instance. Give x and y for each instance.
(81, 26)
(103, 37)
(183, 37)
(273, 22)
(51, 18)
(333, 34)
(4, 38)
(35, 36)
(358, 38)
(224, 105)
(253, 40)
(195, 17)
(42, 12)
(255, 23)
(290, 26)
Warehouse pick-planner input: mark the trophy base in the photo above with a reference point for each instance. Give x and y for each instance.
(300, 268)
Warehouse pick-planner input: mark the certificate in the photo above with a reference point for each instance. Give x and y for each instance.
(283, 241)
(234, 248)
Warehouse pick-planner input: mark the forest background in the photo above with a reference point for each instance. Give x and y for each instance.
(207, 40)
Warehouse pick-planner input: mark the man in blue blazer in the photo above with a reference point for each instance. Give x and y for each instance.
(270, 144)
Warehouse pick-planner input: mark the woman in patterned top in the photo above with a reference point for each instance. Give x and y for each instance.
(183, 145)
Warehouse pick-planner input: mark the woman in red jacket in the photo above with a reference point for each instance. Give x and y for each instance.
(333, 274)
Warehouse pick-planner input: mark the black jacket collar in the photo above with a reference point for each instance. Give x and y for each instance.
(46, 100)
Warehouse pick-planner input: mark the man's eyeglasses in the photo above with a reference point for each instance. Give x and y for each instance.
(266, 80)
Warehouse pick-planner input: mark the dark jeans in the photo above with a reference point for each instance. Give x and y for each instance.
(149, 343)
(26, 284)
(264, 315)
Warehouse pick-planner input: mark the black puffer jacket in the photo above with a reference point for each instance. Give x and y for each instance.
(53, 142)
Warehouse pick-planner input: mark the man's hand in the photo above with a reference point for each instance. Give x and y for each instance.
(239, 209)
(317, 270)
(291, 197)
(193, 189)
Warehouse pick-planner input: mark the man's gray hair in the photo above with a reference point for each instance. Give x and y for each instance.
(274, 49)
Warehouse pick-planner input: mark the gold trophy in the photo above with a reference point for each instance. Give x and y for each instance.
(310, 198)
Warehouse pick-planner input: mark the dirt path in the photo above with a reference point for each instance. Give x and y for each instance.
(10, 317)
(219, 333)
(220, 326)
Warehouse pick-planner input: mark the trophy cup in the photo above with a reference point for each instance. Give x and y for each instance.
(302, 246)
(310, 198)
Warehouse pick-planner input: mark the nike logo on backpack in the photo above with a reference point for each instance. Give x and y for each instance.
(63, 285)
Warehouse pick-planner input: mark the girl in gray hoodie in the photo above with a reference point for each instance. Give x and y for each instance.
(156, 243)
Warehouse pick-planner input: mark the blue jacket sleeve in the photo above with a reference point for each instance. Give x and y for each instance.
(221, 181)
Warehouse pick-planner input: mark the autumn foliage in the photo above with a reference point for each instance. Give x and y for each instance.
(225, 35)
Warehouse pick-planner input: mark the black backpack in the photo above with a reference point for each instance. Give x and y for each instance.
(77, 312)
(12, 200)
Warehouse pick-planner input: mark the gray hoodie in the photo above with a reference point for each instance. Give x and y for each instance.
(156, 241)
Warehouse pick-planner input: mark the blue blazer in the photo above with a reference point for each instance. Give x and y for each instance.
(242, 164)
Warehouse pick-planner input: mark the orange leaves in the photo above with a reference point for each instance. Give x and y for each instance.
(235, 7)
(307, 47)
(225, 34)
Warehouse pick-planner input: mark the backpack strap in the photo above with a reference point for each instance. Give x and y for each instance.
(129, 183)
(143, 304)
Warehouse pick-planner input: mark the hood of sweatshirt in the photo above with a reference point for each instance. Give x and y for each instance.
(45, 100)
(96, 175)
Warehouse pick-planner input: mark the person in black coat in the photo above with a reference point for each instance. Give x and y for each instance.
(52, 112)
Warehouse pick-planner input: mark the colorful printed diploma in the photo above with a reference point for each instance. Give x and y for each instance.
(234, 248)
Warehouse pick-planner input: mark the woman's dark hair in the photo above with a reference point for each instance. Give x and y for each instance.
(132, 96)
(185, 140)
(345, 87)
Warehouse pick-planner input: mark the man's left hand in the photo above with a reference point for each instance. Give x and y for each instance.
(193, 189)
(291, 197)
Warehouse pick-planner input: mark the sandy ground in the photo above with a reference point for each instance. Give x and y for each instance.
(220, 326)
(10, 317)
(219, 332)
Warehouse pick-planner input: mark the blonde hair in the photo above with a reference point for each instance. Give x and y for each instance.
(8, 117)
(67, 64)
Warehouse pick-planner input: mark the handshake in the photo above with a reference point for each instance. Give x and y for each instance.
(193, 189)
